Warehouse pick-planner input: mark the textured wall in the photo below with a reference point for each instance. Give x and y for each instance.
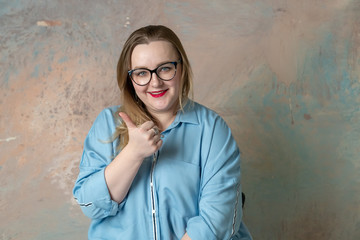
(283, 73)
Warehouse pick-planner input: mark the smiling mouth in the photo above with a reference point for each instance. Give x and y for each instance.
(157, 94)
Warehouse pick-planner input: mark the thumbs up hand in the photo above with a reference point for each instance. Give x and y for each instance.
(144, 140)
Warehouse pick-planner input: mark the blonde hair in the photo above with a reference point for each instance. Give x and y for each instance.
(133, 106)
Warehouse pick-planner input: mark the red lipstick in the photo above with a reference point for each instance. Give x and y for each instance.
(157, 94)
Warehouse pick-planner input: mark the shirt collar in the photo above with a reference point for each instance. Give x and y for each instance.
(187, 115)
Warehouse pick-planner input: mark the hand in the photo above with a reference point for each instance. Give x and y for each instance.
(186, 237)
(143, 140)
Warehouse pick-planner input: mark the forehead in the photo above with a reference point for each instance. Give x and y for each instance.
(152, 54)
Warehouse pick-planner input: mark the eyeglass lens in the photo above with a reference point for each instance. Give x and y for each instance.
(165, 72)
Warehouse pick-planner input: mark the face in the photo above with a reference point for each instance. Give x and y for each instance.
(158, 96)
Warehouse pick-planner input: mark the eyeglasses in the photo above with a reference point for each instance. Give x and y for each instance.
(165, 72)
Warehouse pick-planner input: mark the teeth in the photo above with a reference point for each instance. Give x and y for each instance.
(157, 93)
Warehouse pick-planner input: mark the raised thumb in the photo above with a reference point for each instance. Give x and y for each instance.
(129, 123)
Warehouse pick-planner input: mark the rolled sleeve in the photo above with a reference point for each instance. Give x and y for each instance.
(93, 197)
(90, 190)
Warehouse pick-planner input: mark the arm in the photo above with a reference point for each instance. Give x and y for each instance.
(102, 184)
(120, 173)
(219, 201)
(90, 190)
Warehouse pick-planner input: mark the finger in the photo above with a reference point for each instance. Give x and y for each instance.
(153, 131)
(159, 143)
(129, 123)
(155, 137)
(147, 126)
(156, 130)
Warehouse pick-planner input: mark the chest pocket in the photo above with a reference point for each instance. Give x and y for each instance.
(177, 173)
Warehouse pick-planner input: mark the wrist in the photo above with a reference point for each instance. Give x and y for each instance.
(133, 153)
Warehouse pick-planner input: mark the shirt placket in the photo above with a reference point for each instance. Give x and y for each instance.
(153, 200)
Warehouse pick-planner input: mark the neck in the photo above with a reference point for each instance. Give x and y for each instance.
(165, 119)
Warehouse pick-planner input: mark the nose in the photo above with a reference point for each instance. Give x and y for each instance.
(155, 80)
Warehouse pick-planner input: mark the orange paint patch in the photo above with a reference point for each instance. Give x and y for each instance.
(48, 23)
(21, 162)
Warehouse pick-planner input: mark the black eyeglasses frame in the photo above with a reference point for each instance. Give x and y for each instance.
(153, 71)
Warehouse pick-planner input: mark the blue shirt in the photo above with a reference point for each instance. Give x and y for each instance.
(192, 184)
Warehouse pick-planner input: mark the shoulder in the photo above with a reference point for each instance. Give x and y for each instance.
(211, 122)
(203, 113)
(107, 120)
(108, 114)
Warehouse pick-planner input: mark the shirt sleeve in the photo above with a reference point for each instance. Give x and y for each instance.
(220, 210)
(90, 190)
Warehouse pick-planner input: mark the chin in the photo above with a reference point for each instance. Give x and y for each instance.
(163, 107)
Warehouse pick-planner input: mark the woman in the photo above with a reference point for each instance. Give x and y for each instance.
(160, 166)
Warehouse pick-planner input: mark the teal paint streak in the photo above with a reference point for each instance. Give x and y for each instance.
(51, 55)
(332, 82)
(35, 73)
(318, 76)
(63, 59)
(302, 155)
(176, 11)
(10, 73)
(105, 45)
(9, 7)
(38, 48)
(35, 53)
(276, 96)
(305, 162)
(327, 62)
(349, 89)
(327, 72)
(6, 78)
(284, 108)
(266, 9)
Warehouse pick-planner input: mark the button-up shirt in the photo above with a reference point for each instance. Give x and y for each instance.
(192, 184)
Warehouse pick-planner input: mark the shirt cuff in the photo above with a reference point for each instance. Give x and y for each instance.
(102, 202)
(197, 229)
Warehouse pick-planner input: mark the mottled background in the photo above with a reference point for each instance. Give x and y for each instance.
(283, 73)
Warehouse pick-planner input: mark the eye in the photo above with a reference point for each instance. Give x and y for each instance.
(167, 67)
(164, 69)
(140, 73)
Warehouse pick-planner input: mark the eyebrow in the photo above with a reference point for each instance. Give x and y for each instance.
(161, 63)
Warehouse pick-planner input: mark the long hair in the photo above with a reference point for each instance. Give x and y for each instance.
(131, 104)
